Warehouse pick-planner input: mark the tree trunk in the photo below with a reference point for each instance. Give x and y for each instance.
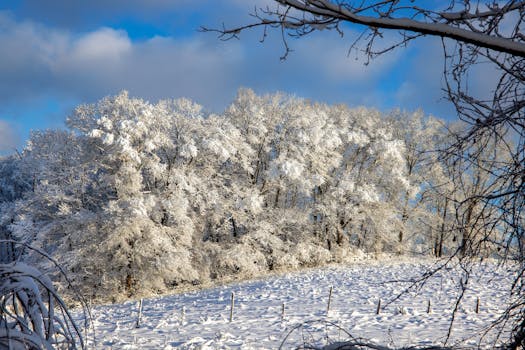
(466, 230)
(442, 231)
(234, 227)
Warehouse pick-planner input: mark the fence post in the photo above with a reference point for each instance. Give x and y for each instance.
(139, 316)
(477, 305)
(329, 300)
(183, 315)
(378, 307)
(231, 308)
(428, 307)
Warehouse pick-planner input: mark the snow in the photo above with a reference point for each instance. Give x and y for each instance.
(200, 319)
(292, 169)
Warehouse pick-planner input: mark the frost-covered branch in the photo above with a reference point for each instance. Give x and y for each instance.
(32, 314)
(301, 17)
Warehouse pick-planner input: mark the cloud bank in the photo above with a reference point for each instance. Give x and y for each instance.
(43, 61)
(50, 61)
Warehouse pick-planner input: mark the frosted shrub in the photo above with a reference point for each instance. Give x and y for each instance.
(283, 260)
(241, 260)
(311, 255)
(32, 314)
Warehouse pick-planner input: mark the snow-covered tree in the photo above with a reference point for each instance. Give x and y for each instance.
(137, 198)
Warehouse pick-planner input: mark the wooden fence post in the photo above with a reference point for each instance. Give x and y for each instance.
(139, 316)
(231, 307)
(329, 300)
(183, 315)
(378, 307)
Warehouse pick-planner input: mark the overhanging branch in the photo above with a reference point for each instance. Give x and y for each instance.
(329, 9)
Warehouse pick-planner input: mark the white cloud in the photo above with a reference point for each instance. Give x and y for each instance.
(101, 45)
(9, 138)
(42, 61)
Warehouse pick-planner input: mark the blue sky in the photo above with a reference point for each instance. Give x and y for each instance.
(57, 54)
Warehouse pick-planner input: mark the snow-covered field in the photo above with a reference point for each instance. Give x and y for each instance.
(200, 320)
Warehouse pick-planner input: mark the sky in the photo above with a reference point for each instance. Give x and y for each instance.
(57, 54)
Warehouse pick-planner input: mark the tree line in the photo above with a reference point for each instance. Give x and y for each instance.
(135, 198)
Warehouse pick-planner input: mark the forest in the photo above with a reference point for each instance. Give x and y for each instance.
(136, 198)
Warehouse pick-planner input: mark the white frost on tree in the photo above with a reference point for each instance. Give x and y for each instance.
(136, 198)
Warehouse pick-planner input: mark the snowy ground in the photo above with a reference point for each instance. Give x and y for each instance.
(200, 320)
